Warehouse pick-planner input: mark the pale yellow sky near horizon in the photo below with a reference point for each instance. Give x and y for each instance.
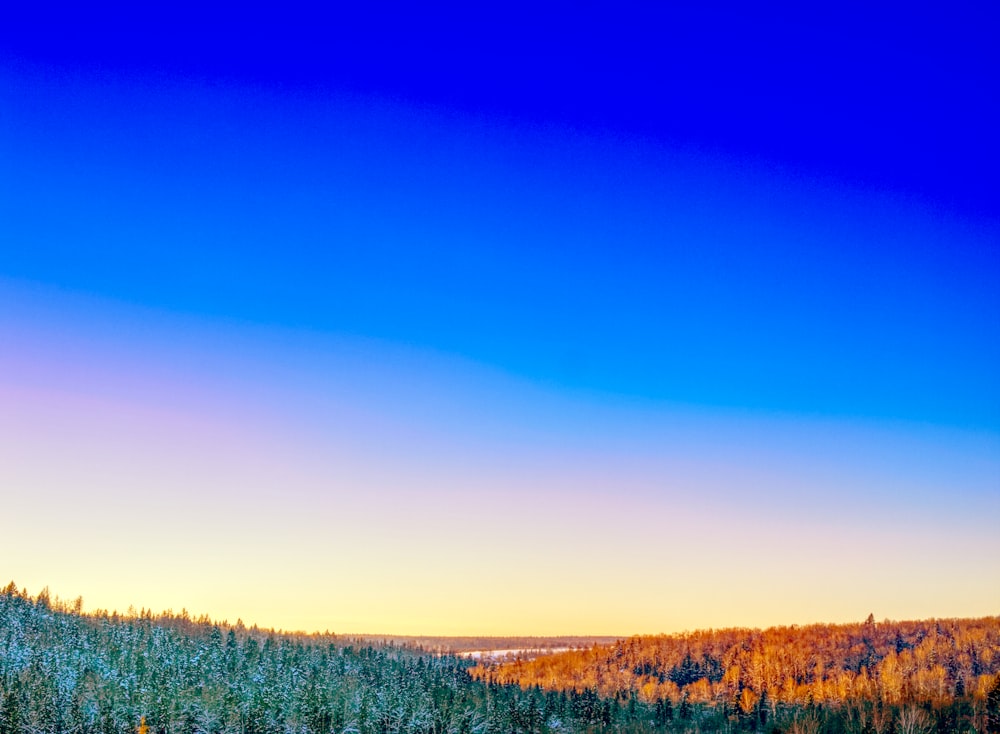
(280, 537)
(430, 496)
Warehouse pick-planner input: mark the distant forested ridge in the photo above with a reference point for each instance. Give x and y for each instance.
(460, 644)
(62, 671)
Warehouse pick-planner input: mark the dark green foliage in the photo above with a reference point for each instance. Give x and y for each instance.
(993, 707)
(690, 670)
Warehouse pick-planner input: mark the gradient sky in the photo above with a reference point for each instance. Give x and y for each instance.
(566, 323)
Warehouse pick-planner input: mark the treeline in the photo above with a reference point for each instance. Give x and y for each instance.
(943, 674)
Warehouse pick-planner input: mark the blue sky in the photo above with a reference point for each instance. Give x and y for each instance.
(579, 259)
(750, 251)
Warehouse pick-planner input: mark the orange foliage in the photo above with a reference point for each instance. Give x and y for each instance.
(931, 661)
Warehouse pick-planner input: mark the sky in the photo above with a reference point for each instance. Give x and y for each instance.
(561, 321)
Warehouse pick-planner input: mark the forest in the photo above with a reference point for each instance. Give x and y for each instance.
(935, 675)
(65, 671)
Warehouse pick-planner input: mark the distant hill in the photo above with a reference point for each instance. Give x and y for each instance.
(468, 644)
